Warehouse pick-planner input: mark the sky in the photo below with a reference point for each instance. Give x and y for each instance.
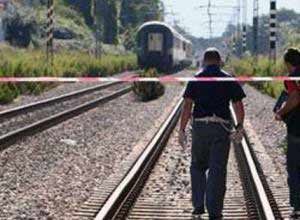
(195, 19)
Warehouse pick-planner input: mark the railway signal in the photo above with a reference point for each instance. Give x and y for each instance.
(244, 38)
(273, 30)
(234, 49)
(50, 30)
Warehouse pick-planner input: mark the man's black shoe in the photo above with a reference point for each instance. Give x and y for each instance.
(198, 211)
(216, 217)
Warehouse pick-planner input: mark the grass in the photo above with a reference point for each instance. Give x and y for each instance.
(248, 67)
(26, 63)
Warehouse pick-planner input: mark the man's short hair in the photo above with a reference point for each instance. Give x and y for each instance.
(212, 54)
(292, 56)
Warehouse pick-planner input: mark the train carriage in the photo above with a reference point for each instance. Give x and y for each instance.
(162, 47)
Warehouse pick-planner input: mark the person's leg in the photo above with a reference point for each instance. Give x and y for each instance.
(199, 166)
(216, 183)
(293, 168)
(198, 177)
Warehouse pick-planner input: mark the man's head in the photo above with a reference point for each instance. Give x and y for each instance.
(292, 58)
(212, 57)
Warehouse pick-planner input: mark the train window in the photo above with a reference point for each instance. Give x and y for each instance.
(155, 42)
(184, 46)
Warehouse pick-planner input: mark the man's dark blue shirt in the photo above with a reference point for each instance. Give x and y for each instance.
(213, 98)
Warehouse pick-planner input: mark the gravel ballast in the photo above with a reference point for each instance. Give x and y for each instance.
(24, 119)
(272, 134)
(48, 175)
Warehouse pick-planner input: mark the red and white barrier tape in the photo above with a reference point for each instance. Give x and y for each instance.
(144, 79)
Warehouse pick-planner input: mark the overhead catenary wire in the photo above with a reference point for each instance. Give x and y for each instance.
(210, 14)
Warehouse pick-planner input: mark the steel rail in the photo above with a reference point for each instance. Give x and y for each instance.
(10, 138)
(138, 173)
(26, 108)
(264, 206)
(119, 201)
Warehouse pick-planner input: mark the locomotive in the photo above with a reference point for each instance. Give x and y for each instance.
(162, 47)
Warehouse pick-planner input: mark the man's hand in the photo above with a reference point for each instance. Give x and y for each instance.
(292, 102)
(278, 117)
(182, 138)
(238, 135)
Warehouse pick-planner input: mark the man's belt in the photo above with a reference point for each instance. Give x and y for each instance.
(212, 119)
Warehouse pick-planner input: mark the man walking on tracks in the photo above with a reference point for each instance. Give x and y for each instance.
(290, 113)
(211, 132)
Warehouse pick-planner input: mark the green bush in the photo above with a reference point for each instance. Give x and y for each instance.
(8, 92)
(147, 91)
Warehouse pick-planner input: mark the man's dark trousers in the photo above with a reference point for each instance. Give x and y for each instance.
(293, 168)
(210, 150)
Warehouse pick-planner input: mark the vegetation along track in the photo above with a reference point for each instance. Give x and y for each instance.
(157, 186)
(26, 120)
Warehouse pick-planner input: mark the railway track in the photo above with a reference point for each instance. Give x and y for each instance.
(157, 186)
(274, 183)
(29, 119)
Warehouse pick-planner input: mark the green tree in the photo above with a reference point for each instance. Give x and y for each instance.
(136, 12)
(106, 14)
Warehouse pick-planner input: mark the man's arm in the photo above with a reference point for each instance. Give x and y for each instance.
(292, 102)
(186, 113)
(239, 112)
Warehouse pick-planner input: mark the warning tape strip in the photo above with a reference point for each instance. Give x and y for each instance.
(145, 79)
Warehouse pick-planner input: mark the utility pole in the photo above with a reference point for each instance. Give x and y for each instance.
(238, 16)
(50, 29)
(238, 27)
(255, 27)
(210, 19)
(171, 15)
(97, 26)
(174, 20)
(273, 30)
(245, 8)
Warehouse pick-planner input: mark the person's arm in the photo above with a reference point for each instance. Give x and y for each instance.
(240, 112)
(292, 102)
(186, 113)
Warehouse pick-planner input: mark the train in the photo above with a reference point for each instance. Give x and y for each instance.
(160, 46)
